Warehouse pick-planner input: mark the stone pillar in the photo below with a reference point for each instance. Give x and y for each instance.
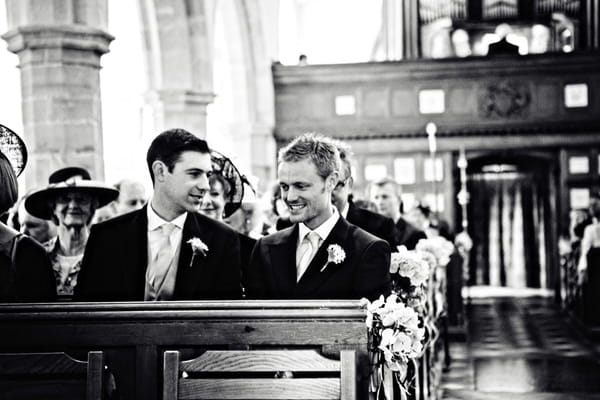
(178, 108)
(59, 44)
(177, 50)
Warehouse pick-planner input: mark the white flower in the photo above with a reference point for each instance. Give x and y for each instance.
(335, 254)
(409, 264)
(198, 247)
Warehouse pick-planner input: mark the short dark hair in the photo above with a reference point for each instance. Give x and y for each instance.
(346, 158)
(317, 148)
(168, 146)
(9, 188)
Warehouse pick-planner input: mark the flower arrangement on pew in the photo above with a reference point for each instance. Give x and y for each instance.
(396, 337)
(401, 326)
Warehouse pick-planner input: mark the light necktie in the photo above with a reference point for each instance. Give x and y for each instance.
(164, 256)
(308, 249)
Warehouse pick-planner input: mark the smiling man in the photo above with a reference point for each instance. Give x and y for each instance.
(147, 254)
(321, 256)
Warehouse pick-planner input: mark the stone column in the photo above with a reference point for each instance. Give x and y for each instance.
(178, 108)
(59, 44)
(177, 50)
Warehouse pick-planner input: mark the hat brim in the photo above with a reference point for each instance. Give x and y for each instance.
(223, 165)
(13, 147)
(38, 203)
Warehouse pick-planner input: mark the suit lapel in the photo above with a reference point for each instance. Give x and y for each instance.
(313, 278)
(188, 276)
(283, 260)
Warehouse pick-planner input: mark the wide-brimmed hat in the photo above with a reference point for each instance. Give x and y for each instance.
(223, 166)
(13, 148)
(39, 202)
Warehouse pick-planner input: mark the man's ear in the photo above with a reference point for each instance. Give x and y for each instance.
(350, 183)
(332, 181)
(159, 169)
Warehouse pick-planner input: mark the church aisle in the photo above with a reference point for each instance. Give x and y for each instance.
(523, 349)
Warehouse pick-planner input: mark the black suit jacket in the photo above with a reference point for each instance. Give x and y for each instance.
(364, 272)
(376, 224)
(408, 234)
(116, 257)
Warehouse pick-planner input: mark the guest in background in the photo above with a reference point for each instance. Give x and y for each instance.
(386, 195)
(25, 272)
(70, 201)
(39, 229)
(590, 244)
(374, 223)
(132, 196)
(213, 204)
(166, 250)
(321, 256)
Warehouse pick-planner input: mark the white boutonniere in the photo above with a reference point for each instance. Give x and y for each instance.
(198, 247)
(335, 254)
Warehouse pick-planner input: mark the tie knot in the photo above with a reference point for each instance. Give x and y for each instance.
(167, 228)
(313, 237)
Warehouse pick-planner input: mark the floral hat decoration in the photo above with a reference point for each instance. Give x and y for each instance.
(224, 166)
(13, 147)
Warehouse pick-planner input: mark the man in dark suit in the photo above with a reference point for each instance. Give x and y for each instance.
(321, 256)
(166, 250)
(374, 223)
(386, 195)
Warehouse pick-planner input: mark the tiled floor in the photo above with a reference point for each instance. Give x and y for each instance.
(521, 349)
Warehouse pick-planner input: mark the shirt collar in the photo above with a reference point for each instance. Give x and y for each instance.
(154, 220)
(322, 230)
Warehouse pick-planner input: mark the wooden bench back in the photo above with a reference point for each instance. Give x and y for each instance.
(231, 375)
(51, 376)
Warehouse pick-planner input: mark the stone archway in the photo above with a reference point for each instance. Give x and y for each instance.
(179, 40)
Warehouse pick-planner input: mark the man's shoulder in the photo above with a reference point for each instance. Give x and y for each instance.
(360, 235)
(216, 227)
(119, 221)
(369, 217)
(278, 237)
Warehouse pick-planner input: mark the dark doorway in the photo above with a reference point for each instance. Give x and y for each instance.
(510, 221)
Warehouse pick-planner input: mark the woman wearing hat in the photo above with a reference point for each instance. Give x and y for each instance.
(25, 273)
(70, 201)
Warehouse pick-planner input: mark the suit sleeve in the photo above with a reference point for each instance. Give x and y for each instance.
(372, 277)
(34, 275)
(254, 279)
(84, 291)
(230, 271)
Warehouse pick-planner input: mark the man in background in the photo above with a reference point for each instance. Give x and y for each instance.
(132, 196)
(386, 195)
(374, 223)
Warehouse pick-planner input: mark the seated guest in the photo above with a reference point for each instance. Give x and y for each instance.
(374, 223)
(25, 272)
(39, 229)
(70, 201)
(386, 195)
(220, 194)
(166, 250)
(321, 256)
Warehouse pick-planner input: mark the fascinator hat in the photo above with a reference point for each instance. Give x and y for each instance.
(71, 179)
(13, 147)
(223, 166)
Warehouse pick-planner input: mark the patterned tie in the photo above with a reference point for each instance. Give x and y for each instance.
(164, 256)
(308, 249)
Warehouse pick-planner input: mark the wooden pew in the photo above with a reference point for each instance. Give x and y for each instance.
(134, 336)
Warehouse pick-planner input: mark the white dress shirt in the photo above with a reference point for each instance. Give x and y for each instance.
(322, 230)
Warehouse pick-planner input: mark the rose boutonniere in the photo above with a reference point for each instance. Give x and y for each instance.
(198, 247)
(335, 254)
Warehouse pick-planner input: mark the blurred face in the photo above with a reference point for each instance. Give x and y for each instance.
(214, 201)
(39, 229)
(73, 208)
(343, 188)
(386, 200)
(306, 194)
(183, 188)
(417, 218)
(132, 196)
